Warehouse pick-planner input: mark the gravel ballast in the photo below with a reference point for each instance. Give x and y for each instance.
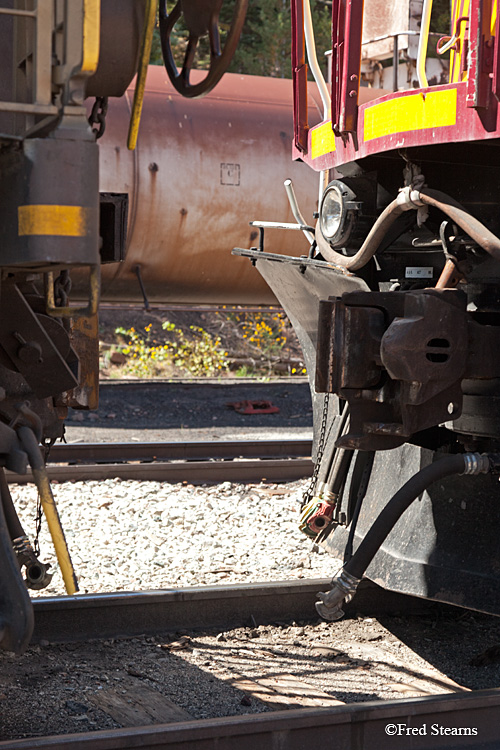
(131, 535)
(149, 535)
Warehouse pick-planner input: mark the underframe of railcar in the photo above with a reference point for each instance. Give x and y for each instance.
(445, 546)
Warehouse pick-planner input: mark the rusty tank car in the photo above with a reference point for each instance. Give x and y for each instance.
(195, 177)
(398, 304)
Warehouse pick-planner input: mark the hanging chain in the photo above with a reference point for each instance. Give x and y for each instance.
(62, 288)
(38, 525)
(98, 116)
(321, 447)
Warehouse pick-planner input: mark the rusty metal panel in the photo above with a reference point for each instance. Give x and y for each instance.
(202, 171)
(299, 69)
(84, 337)
(348, 100)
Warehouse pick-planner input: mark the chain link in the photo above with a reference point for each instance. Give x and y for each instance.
(98, 116)
(62, 288)
(321, 447)
(38, 525)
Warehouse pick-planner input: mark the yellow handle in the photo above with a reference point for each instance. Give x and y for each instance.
(140, 84)
(30, 445)
(56, 532)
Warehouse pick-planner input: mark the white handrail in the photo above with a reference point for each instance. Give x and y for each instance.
(312, 59)
(422, 43)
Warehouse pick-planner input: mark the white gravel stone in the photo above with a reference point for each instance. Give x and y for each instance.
(129, 535)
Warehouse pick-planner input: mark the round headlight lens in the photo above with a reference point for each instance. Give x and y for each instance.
(332, 213)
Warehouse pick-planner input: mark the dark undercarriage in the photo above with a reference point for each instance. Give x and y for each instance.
(416, 371)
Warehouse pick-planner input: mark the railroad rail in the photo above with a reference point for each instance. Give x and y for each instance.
(194, 462)
(356, 726)
(127, 614)
(204, 450)
(353, 727)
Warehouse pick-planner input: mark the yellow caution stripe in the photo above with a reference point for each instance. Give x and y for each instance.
(91, 35)
(435, 109)
(60, 221)
(322, 140)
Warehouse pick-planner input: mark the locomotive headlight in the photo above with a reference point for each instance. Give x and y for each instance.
(337, 212)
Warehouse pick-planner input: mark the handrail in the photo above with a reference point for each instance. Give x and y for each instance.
(422, 43)
(313, 60)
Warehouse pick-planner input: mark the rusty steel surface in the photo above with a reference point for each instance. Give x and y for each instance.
(201, 171)
(353, 727)
(125, 614)
(63, 619)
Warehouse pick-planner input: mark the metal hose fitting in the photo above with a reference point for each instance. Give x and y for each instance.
(344, 587)
(317, 515)
(476, 463)
(37, 572)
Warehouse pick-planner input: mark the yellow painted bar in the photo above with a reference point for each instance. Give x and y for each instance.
(56, 532)
(436, 109)
(322, 140)
(91, 35)
(60, 221)
(460, 10)
(140, 84)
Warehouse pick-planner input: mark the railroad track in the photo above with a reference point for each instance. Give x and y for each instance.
(353, 727)
(85, 617)
(195, 462)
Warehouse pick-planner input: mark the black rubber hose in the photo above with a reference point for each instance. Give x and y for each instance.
(329, 458)
(11, 518)
(395, 508)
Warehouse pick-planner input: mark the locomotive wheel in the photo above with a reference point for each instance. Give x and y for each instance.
(201, 17)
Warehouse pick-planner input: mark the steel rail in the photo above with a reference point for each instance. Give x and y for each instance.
(178, 451)
(360, 726)
(191, 472)
(195, 382)
(353, 727)
(84, 617)
(201, 462)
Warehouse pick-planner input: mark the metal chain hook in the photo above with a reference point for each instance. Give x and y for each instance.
(321, 447)
(98, 116)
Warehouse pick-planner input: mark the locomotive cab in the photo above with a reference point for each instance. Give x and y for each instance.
(397, 305)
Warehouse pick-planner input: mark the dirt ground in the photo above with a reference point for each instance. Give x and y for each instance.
(58, 689)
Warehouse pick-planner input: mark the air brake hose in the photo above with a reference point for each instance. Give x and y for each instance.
(411, 199)
(458, 215)
(369, 246)
(344, 585)
(12, 519)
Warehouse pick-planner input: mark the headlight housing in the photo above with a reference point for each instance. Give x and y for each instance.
(337, 213)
